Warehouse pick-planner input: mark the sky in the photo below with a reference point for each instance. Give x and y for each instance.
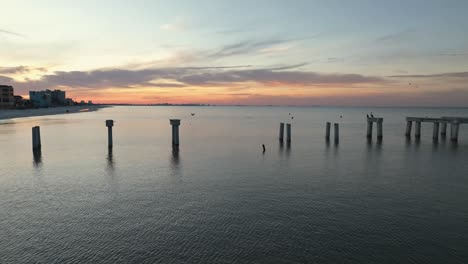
(349, 53)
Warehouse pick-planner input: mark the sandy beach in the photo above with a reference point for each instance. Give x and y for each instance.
(15, 113)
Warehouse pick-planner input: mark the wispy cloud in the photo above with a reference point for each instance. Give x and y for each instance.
(11, 33)
(398, 36)
(437, 75)
(20, 69)
(245, 47)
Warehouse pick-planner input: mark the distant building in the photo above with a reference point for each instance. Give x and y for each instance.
(19, 101)
(58, 97)
(7, 99)
(40, 98)
(47, 98)
(69, 102)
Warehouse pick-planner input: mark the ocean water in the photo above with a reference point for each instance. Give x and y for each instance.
(219, 199)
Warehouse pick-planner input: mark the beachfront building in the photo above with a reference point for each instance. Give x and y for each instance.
(40, 98)
(58, 97)
(7, 99)
(47, 98)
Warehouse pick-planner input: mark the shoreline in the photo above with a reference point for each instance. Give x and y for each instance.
(16, 113)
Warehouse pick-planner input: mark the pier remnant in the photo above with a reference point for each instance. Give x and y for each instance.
(327, 131)
(443, 129)
(454, 127)
(281, 132)
(417, 130)
(435, 131)
(380, 129)
(438, 123)
(36, 138)
(370, 122)
(408, 128)
(175, 131)
(336, 132)
(109, 125)
(288, 132)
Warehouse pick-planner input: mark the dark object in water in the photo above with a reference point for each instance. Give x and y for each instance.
(192, 114)
(68, 111)
(263, 145)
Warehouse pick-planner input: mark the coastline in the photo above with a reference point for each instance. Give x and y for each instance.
(16, 113)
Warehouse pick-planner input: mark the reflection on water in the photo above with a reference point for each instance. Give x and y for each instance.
(175, 163)
(219, 193)
(37, 157)
(110, 160)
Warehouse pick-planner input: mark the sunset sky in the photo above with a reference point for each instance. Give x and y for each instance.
(371, 53)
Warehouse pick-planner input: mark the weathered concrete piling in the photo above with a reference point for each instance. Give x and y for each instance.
(435, 131)
(175, 131)
(380, 129)
(336, 132)
(437, 123)
(369, 128)
(109, 125)
(443, 129)
(327, 131)
(409, 124)
(288, 132)
(417, 130)
(36, 138)
(454, 127)
(281, 132)
(370, 122)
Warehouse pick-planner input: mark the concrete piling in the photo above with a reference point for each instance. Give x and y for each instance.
(288, 132)
(443, 129)
(36, 138)
(441, 123)
(281, 132)
(369, 128)
(337, 132)
(417, 131)
(408, 128)
(175, 131)
(380, 129)
(327, 131)
(109, 125)
(454, 127)
(435, 131)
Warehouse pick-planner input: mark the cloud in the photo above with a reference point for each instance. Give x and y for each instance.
(437, 75)
(5, 80)
(398, 36)
(245, 47)
(190, 76)
(11, 33)
(276, 76)
(20, 69)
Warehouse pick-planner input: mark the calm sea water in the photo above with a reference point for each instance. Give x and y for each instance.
(220, 200)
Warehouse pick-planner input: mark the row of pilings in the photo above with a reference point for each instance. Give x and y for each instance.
(175, 123)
